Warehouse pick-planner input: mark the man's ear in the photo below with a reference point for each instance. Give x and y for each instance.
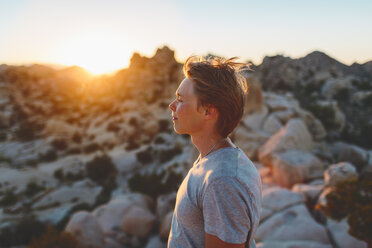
(210, 112)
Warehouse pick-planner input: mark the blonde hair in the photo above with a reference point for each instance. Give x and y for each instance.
(218, 82)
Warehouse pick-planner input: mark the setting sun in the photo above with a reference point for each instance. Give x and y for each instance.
(98, 53)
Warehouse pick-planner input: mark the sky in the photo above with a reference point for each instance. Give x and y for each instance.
(101, 36)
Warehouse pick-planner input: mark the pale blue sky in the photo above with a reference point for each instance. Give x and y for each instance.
(102, 35)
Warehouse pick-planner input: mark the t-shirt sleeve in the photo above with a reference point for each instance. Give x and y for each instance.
(226, 210)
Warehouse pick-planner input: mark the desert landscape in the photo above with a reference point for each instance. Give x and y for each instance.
(94, 161)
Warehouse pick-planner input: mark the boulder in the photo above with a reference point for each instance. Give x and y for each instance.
(275, 199)
(249, 141)
(138, 221)
(277, 102)
(311, 192)
(343, 152)
(313, 124)
(111, 214)
(164, 204)
(322, 199)
(294, 135)
(86, 229)
(255, 120)
(292, 223)
(284, 115)
(272, 124)
(333, 86)
(340, 235)
(341, 172)
(292, 244)
(339, 120)
(165, 226)
(295, 166)
(155, 242)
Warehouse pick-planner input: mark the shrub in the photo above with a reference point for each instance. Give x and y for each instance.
(164, 126)
(145, 156)
(159, 140)
(132, 144)
(325, 114)
(59, 144)
(77, 138)
(101, 169)
(92, 148)
(52, 239)
(5, 159)
(73, 150)
(33, 188)
(133, 122)
(48, 156)
(27, 130)
(22, 232)
(9, 198)
(3, 136)
(113, 127)
(342, 95)
(155, 184)
(167, 155)
(353, 200)
(58, 174)
(367, 101)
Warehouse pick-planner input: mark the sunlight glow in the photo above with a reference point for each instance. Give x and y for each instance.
(96, 52)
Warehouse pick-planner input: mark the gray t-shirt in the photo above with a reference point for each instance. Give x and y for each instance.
(221, 196)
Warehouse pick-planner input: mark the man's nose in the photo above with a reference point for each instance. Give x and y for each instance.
(171, 105)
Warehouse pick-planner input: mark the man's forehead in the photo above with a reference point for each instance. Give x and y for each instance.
(185, 88)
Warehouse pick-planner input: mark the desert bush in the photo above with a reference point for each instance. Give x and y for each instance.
(58, 174)
(325, 114)
(5, 159)
(159, 140)
(53, 239)
(48, 156)
(155, 184)
(73, 150)
(31, 162)
(33, 188)
(59, 144)
(100, 169)
(132, 143)
(77, 138)
(27, 130)
(342, 95)
(164, 126)
(3, 136)
(133, 122)
(145, 156)
(166, 155)
(113, 127)
(353, 200)
(367, 101)
(92, 148)
(22, 232)
(9, 198)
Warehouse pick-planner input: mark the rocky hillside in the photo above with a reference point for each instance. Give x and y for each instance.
(98, 159)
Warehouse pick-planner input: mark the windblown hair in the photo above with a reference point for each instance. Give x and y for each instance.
(218, 82)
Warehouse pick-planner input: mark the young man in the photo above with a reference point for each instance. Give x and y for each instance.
(218, 203)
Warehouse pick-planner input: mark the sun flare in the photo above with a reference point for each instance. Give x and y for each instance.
(98, 53)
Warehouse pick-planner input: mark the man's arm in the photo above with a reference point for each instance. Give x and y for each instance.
(214, 242)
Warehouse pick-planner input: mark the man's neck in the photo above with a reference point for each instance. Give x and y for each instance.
(207, 143)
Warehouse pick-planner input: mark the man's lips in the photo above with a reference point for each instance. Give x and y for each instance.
(174, 118)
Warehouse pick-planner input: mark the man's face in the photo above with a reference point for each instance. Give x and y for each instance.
(186, 117)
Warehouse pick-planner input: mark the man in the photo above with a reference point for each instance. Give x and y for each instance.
(218, 203)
